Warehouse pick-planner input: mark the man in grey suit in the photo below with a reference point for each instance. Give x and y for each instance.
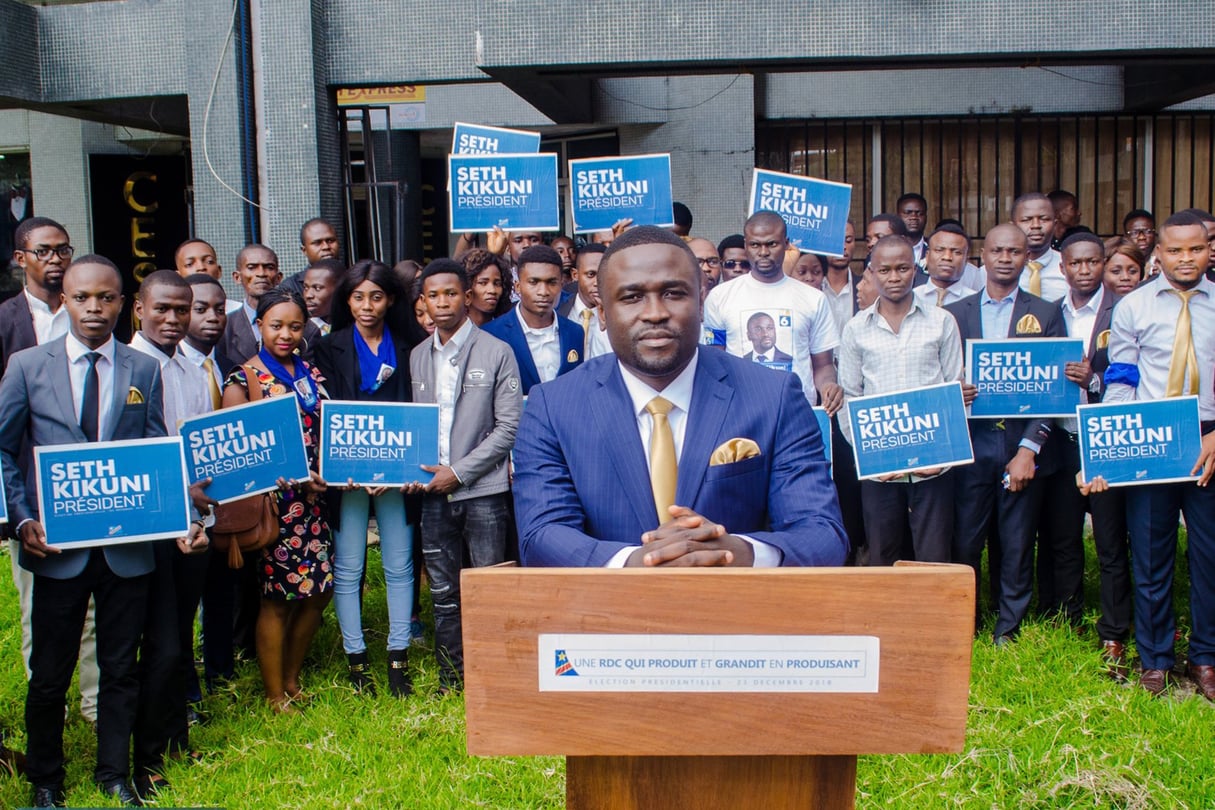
(84, 386)
(474, 379)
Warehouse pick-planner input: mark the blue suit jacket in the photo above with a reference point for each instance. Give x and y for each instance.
(582, 486)
(36, 402)
(508, 329)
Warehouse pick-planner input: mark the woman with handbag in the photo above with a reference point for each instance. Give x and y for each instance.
(294, 571)
(366, 358)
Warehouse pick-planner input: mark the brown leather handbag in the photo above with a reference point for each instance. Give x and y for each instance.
(249, 524)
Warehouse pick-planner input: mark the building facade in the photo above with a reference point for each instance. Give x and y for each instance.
(249, 117)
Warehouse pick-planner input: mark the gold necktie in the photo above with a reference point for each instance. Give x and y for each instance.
(212, 386)
(1184, 362)
(941, 296)
(1035, 278)
(663, 469)
(587, 314)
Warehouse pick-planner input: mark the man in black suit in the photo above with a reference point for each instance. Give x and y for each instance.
(1004, 447)
(1086, 311)
(230, 598)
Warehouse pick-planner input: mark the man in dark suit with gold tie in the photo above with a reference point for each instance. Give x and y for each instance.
(1012, 447)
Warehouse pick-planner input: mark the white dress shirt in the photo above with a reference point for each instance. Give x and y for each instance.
(1141, 334)
(447, 383)
(48, 325)
(1081, 320)
(596, 342)
(78, 367)
(184, 384)
(679, 393)
(197, 358)
(544, 344)
(840, 303)
(874, 359)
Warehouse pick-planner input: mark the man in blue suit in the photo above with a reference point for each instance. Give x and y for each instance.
(545, 344)
(664, 454)
(82, 387)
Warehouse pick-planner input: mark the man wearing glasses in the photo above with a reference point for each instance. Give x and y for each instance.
(709, 261)
(733, 253)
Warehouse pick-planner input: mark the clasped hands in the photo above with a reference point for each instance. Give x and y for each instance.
(690, 539)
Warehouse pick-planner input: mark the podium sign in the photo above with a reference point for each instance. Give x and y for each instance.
(677, 749)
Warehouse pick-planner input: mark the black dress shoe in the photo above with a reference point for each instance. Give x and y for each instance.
(49, 797)
(121, 791)
(149, 785)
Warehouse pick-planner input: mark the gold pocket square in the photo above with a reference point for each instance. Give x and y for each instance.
(732, 451)
(134, 396)
(1103, 340)
(1029, 325)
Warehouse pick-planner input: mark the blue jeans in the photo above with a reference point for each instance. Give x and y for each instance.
(451, 530)
(350, 553)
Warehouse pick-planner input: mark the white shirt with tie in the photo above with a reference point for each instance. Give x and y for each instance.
(198, 359)
(78, 367)
(184, 384)
(1054, 285)
(596, 342)
(679, 393)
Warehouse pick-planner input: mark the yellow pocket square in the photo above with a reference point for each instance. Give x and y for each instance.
(1029, 326)
(134, 396)
(732, 451)
(1103, 340)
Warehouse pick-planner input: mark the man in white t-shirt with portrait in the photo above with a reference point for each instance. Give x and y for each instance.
(800, 314)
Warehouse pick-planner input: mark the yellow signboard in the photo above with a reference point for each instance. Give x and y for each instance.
(376, 96)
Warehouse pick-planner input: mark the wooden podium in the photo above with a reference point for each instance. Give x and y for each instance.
(703, 750)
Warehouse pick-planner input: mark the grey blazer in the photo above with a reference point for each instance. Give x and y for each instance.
(488, 405)
(36, 397)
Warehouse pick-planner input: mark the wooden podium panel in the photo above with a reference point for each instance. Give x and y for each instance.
(922, 614)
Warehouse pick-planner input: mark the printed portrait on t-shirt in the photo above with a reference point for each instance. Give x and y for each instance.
(769, 332)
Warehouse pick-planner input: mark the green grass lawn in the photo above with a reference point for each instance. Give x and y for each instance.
(1046, 730)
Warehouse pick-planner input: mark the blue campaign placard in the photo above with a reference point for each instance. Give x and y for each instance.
(512, 192)
(815, 211)
(1023, 377)
(244, 450)
(477, 139)
(377, 443)
(1149, 442)
(824, 426)
(105, 493)
(604, 190)
(909, 430)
